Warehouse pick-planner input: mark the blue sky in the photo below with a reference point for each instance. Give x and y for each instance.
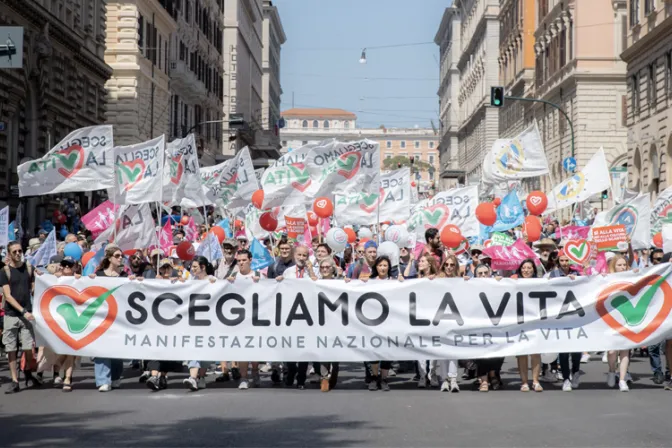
(320, 60)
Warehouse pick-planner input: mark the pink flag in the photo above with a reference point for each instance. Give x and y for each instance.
(509, 258)
(190, 230)
(325, 225)
(100, 218)
(573, 232)
(166, 237)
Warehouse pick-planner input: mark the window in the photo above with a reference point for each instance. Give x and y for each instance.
(652, 91)
(316, 124)
(668, 74)
(403, 154)
(141, 32)
(416, 144)
(543, 9)
(649, 6)
(417, 156)
(326, 124)
(563, 47)
(634, 13)
(388, 144)
(304, 124)
(635, 96)
(346, 125)
(431, 145)
(402, 144)
(304, 143)
(431, 159)
(388, 155)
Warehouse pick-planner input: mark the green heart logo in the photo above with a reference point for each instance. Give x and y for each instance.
(348, 164)
(72, 159)
(578, 251)
(133, 171)
(301, 175)
(436, 215)
(176, 169)
(371, 201)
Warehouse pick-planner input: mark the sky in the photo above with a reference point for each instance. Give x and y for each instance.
(320, 60)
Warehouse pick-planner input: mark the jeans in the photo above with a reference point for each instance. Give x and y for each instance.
(654, 357)
(298, 370)
(107, 370)
(564, 364)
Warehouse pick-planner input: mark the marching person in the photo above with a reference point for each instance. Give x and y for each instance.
(427, 268)
(227, 268)
(362, 268)
(449, 269)
(283, 261)
(328, 370)
(618, 263)
(69, 268)
(17, 279)
(434, 246)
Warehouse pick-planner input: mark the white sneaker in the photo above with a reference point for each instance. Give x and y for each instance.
(116, 384)
(445, 386)
(190, 383)
(611, 379)
(567, 386)
(549, 377)
(576, 380)
(453, 386)
(105, 388)
(311, 371)
(585, 358)
(391, 372)
(605, 358)
(58, 381)
(623, 386)
(558, 376)
(201, 383)
(422, 383)
(434, 381)
(244, 385)
(266, 367)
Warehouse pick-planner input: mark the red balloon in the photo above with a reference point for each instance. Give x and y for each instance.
(219, 232)
(323, 207)
(536, 202)
(413, 184)
(268, 222)
(657, 240)
(532, 228)
(497, 201)
(87, 257)
(237, 223)
(451, 236)
(313, 219)
(185, 251)
(352, 236)
(258, 198)
(486, 213)
(184, 220)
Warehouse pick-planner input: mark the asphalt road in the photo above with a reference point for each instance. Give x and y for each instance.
(222, 415)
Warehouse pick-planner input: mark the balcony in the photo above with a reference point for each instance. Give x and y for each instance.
(186, 82)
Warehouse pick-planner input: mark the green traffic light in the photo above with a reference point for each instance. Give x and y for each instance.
(497, 102)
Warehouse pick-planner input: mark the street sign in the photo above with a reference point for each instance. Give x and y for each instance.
(11, 47)
(569, 164)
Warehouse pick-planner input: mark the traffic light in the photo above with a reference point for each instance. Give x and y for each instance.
(605, 194)
(497, 96)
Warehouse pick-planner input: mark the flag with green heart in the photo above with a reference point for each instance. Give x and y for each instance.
(392, 202)
(232, 183)
(661, 212)
(139, 171)
(287, 181)
(134, 228)
(634, 214)
(456, 206)
(181, 174)
(82, 161)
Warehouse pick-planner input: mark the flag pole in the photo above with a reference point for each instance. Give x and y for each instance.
(158, 221)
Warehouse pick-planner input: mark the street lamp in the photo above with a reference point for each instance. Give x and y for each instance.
(362, 58)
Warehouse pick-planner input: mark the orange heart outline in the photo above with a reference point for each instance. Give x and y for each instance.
(633, 289)
(79, 298)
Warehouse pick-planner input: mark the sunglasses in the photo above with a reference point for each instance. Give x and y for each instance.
(325, 267)
(69, 266)
(117, 255)
(450, 265)
(360, 252)
(657, 259)
(18, 251)
(481, 274)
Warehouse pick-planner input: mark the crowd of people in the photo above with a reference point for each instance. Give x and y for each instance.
(311, 262)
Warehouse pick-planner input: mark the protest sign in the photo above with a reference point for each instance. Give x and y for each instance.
(610, 238)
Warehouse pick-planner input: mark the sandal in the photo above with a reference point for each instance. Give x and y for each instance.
(525, 387)
(67, 385)
(537, 387)
(484, 387)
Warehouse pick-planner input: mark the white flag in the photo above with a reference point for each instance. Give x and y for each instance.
(666, 231)
(393, 199)
(135, 226)
(634, 214)
(4, 227)
(287, 181)
(46, 251)
(138, 171)
(456, 206)
(82, 161)
(662, 211)
(592, 179)
(516, 158)
(181, 176)
(232, 183)
(210, 248)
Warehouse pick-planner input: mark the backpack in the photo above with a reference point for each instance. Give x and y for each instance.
(8, 273)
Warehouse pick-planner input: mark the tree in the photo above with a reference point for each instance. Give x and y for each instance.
(393, 163)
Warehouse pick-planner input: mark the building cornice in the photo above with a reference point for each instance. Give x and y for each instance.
(274, 17)
(638, 48)
(448, 15)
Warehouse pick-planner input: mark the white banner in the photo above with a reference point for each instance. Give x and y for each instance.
(4, 227)
(46, 251)
(592, 179)
(287, 181)
(135, 229)
(456, 206)
(662, 211)
(394, 200)
(139, 170)
(516, 158)
(634, 214)
(181, 174)
(232, 183)
(330, 320)
(82, 161)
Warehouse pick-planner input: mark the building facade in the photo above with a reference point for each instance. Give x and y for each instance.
(648, 55)
(448, 40)
(578, 67)
(305, 126)
(479, 46)
(60, 88)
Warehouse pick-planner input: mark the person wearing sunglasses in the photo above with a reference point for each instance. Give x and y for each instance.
(407, 263)
(17, 279)
(328, 370)
(450, 268)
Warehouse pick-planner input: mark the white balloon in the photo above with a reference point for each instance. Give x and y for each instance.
(365, 232)
(391, 250)
(398, 235)
(337, 239)
(548, 358)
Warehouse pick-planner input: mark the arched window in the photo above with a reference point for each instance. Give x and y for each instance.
(315, 124)
(304, 124)
(326, 124)
(346, 124)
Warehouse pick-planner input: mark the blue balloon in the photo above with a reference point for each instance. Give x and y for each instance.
(63, 232)
(73, 250)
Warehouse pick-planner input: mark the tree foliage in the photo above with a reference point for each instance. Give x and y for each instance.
(393, 163)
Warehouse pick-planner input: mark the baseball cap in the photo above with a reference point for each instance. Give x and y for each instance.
(41, 232)
(56, 259)
(156, 252)
(233, 243)
(68, 261)
(164, 262)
